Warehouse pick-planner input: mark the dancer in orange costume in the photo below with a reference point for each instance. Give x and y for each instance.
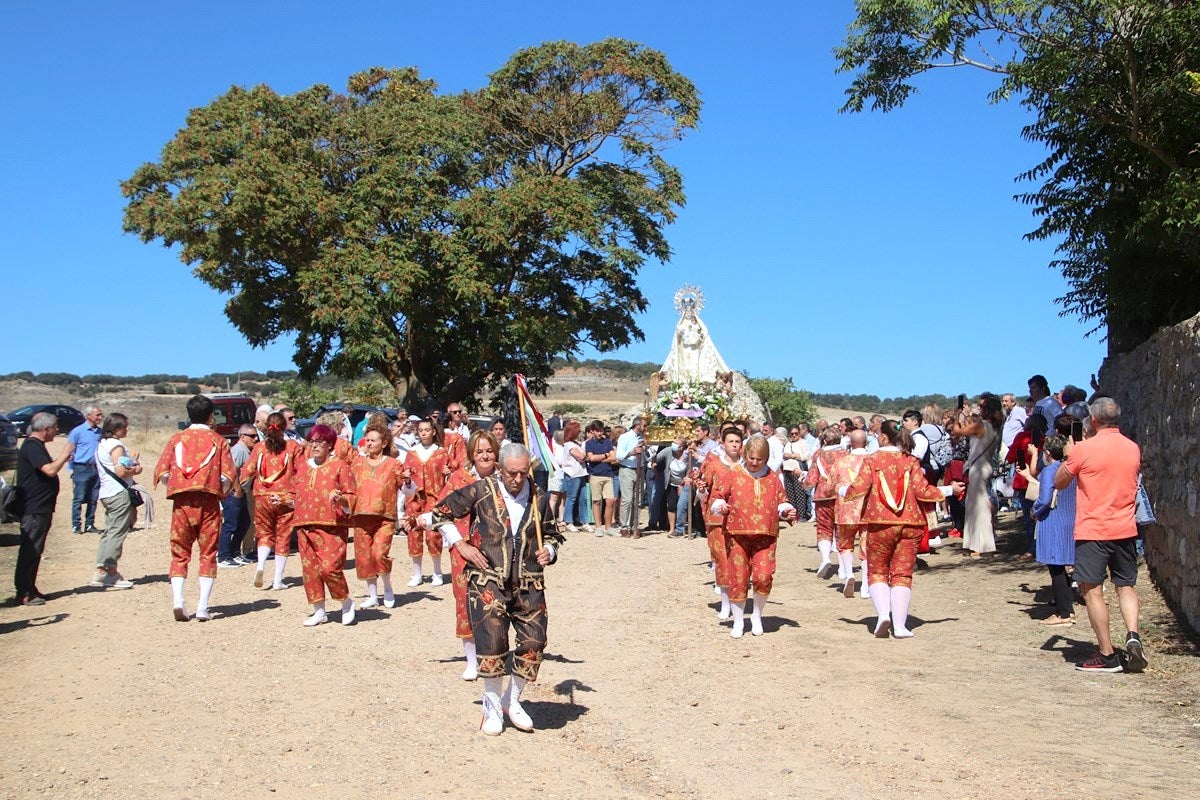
(717, 464)
(820, 475)
(377, 479)
(751, 499)
(429, 464)
(482, 451)
(272, 466)
(847, 513)
(324, 494)
(198, 469)
(895, 490)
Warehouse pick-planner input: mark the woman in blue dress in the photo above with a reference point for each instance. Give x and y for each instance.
(1055, 513)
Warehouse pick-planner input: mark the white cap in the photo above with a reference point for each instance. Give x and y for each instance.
(414, 418)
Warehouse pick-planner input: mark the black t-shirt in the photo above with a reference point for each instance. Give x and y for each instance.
(38, 489)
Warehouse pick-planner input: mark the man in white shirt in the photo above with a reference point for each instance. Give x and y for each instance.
(1014, 420)
(456, 420)
(775, 439)
(630, 447)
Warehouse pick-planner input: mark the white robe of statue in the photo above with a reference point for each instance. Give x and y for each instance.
(693, 357)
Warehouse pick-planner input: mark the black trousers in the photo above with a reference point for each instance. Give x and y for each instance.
(1064, 600)
(34, 528)
(492, 607)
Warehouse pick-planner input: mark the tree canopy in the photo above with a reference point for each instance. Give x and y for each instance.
(444, 241)
(1114, 86)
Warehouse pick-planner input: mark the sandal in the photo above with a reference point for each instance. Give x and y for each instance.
(1055, 621)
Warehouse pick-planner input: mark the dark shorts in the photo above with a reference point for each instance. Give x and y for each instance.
(1094, 560)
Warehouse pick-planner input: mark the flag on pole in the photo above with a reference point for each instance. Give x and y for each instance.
(537, 437)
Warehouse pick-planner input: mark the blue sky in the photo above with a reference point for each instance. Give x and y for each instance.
(869, 253)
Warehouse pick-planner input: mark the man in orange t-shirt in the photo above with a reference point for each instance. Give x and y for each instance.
(1105, 468)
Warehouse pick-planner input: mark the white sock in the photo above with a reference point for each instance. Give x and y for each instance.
(881, 598)
(318, 615)
(206, 587)
(901, 596)
(388, 595)
(739, 618)
(437, 565)
(469, 654)
(416, 565)
(760, 600)
(177, 592)
(372, 592)
(347, 611)
(724, 612)
(825, 547)
(516, 685)
(263, 551)
(280, 564)
(491, 695)
(864, 578)
(846, 559)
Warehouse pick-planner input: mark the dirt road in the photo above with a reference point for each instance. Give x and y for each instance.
(643, 694)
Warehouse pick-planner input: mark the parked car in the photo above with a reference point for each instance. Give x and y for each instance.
(303, 426)
(231, 410)
(8, 444)
(68, 418)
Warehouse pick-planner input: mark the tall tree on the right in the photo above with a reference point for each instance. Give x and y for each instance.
(1114, 86)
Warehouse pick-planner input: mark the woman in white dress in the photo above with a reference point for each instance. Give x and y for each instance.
(984, 429)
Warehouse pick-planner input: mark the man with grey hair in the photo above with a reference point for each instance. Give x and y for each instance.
(512, 539)
(235, 510)
(85, 438)
(37, 489)
(1105, 469)
(260, 421)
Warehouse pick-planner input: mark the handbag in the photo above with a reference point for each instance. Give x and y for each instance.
(1143, 512)
(135, 497)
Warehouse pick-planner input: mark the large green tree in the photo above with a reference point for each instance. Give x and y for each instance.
(443, 240)
(1114, 88)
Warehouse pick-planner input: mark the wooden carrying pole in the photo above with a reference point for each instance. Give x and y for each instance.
(537, 515)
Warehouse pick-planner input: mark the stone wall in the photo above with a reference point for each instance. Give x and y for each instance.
(1158, 388)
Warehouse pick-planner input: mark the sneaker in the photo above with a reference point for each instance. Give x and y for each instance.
(32, 600)
(244, 561)
(588, 529)
(98, 579)
(1135, 656)
(615, 532)
(93, 529)
(935, 542)
(955, 533)
(76, 530)
(228, 562)
(1101, 663)
(600, 531)
(572, 528)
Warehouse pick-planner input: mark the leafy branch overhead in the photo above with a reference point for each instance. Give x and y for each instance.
(443, 240)
(1114, 88)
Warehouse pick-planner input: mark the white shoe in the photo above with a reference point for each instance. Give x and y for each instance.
(317, 618)
(389, 602)
(600, 531)
(348, 612)
(935, 542)
(723, 614)
(756, 627)
(279, 587)
(737, 631)
(203, 615)
(415, 580)
(519, 719)
(716, 589)
(437, 580)
(470, 673)
(883, 628)
(825, 570)
(573, 528)
(588, 529)
(180, 613)
(902, 633)
(848, 588)
(371, 602)
(258, 578)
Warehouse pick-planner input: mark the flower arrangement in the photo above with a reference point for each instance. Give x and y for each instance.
(701, 401)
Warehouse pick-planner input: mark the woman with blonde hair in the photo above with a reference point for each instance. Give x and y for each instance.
(482, 452)
(751, 501)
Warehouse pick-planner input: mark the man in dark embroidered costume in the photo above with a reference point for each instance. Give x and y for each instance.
(512, 537)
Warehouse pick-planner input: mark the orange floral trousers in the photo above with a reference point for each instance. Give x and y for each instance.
(272, 525)
(718, 551)
(195, 517)
(322, 557)
(825, 520)
(431, 539)
(372, 546)
(892, 553)
(751, 559)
